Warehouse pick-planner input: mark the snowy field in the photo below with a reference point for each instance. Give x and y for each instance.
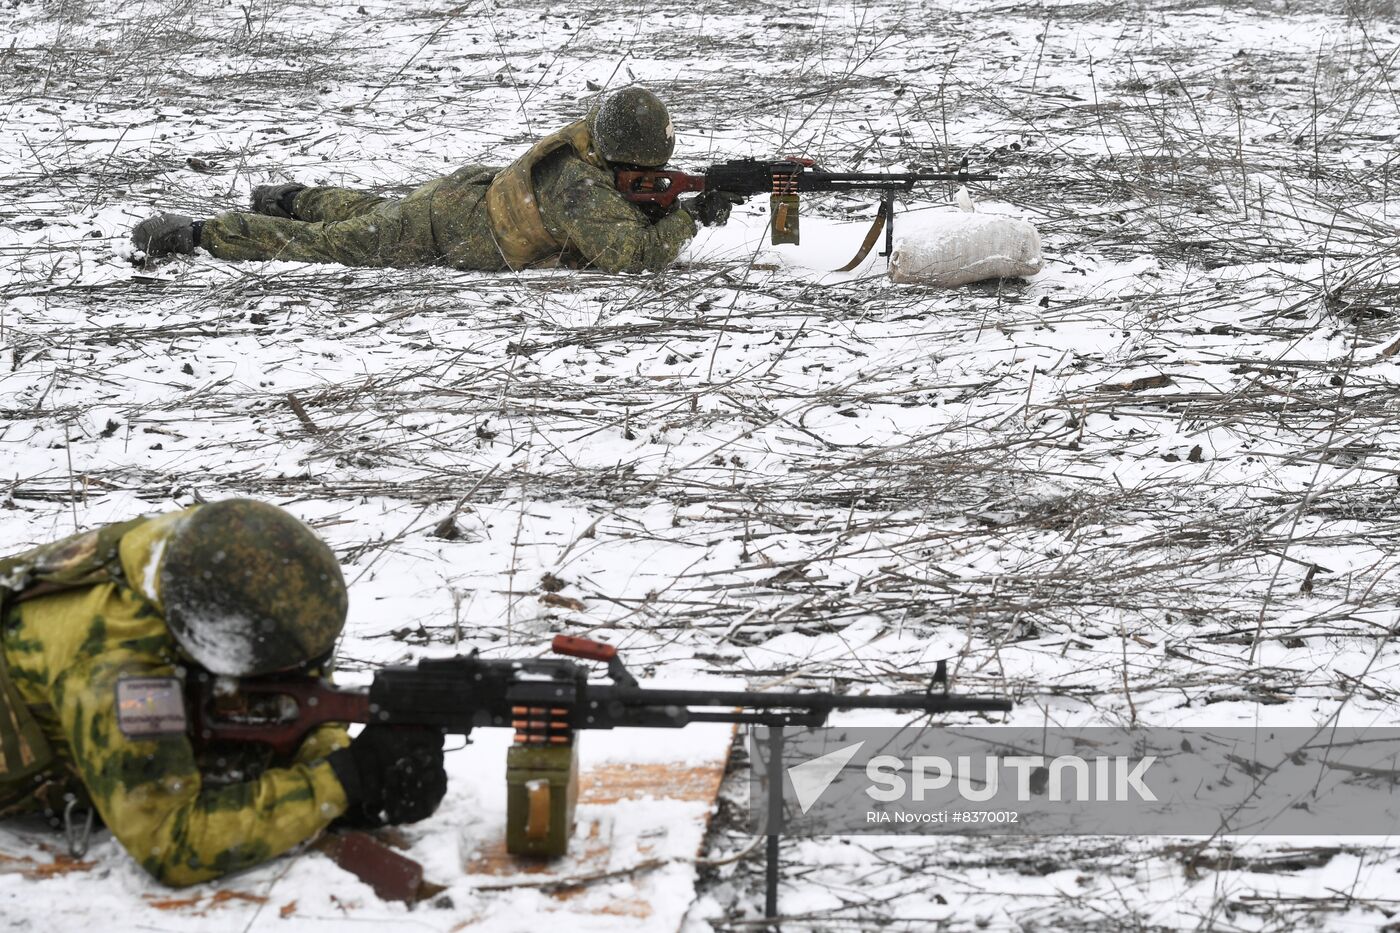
(1156, 484)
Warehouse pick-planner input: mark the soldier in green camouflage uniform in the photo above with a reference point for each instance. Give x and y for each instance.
(557, 205)
(100, 633)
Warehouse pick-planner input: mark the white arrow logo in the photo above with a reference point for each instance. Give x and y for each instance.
(811, 778)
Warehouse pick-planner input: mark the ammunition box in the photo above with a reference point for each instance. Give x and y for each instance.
(785, 229)
(541, 791)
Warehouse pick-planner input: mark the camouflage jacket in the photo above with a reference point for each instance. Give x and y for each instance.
(70, 656)
(554, 206)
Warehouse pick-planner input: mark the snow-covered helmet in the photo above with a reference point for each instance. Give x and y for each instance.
(247, 589)
(632, 126)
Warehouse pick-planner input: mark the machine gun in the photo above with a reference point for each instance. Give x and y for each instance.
(547, 701)
(784, 180)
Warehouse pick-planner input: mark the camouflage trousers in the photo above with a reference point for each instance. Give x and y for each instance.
(443, 222)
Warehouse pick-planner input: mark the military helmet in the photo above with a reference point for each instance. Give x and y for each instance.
(632, 126)
(249, 590)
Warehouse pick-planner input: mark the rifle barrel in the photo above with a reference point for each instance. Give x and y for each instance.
(903, 176)
(875, 181)
(925, 702)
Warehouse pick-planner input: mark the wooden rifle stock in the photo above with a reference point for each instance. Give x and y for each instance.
(278, 713)
(657, 187)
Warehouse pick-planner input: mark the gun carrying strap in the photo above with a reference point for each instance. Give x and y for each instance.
(881, 218)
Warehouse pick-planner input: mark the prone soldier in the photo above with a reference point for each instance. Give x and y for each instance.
(556, 205)
(99, 635)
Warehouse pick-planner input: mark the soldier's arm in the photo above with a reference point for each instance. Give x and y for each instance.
(326, 204)
(581, 207)
(152, 797)
(321, 742)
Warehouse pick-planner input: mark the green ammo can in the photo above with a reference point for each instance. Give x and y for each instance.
(541, 791)
(785, 227)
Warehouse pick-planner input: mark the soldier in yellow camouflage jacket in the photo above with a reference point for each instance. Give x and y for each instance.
(557, 205)
(99, 634)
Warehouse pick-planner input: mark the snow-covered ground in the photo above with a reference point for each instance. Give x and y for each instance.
(1155, 484)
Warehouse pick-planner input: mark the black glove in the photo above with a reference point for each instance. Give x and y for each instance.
(275, 200)
(391, 775)
(164, 234)
(711, 208)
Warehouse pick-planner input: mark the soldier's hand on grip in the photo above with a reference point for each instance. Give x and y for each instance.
(391, 775)
(712, 208)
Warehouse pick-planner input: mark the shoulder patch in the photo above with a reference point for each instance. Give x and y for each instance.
(148, 707)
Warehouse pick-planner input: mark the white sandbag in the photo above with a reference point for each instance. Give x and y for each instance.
(958, 248)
